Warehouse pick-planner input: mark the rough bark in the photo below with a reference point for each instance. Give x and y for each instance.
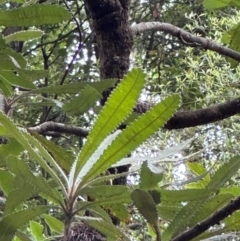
(113, 35)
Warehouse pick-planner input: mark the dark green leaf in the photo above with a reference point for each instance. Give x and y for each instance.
(145, 205)
(149, 179)
(83, 102)
(10, 224)
(34, 15)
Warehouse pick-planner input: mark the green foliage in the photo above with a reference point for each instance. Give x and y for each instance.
(145, 204)
(41, 84)
(78, 105)
(117, 108)
(75, 88)
(149, 177)
(24, 35)
(99, 152)
(54, 224)
(10, 223)
(36, 230)
(36, 15)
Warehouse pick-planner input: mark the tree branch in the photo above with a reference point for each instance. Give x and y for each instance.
(182, 119)
(209, 222)
(185, 37)
(58, 127)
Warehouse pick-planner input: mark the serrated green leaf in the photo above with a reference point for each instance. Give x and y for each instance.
(38, 152)
(145, 205)
(134, 135)
(99, 212)
(8, 62)
(6, 88)
(224, 173)
(106, 178)
(106, 228)
(168, 211)
(185, 195)
(117, 108)
(17, 59)
(36, 230)
(199, 170)
(21, 192)
(34, 15)
(155, 194)
(211, 207)
(104, 191)
(20, 168)
(121, 198)
(11, 148)
(63, 158)
(10, 224)
(234, 43)
(181, 220)
(148, 178)
(214, 4)
(92, 160)
(3, 45)
(232, 223)
(23, 237)
(75, 88)
(54, 224)
(13, 79)
(24, 35)
(6, 181)
(234, 190)
(83, 102)
(120, 211)
(32, 75)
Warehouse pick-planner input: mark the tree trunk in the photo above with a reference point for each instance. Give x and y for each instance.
(113, 35)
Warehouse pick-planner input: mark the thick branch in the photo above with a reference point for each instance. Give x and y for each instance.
(186, 37)
(209, 222)
(182, 119)
(58, 127)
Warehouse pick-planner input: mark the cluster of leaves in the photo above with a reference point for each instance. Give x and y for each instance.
(69, 180)
(99, 153)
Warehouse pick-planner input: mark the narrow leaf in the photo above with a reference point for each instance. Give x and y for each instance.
(37, 15)
(117, 108)
(12, 79)
(10, 224)
(214, 4)
(81, 103)
(108, 229)
(148, 178)
(185, 195)
(24, 35)
(63, 158)
(6, 181)
(224, 173)
(54, 224)
(76, 87)
(20, 168)
(37, 231)
(145, 205)
(21, 192)
(134, 135)
(25, 139)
